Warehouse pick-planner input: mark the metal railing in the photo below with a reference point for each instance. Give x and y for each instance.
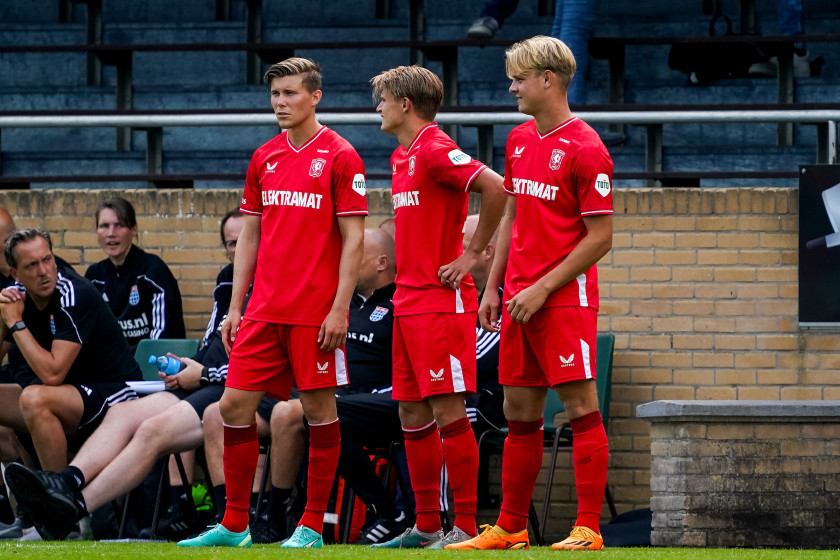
(824, 119)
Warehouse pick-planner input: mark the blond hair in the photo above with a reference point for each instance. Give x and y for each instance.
(420, 85)
(541, 53)
(310, 70)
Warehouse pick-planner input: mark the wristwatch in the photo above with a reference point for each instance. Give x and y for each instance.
(19, 326)
(204, 380)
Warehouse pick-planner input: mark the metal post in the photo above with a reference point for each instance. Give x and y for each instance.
(254, 31)
(616, 61)
(416, 31)
(747, 17)
(384, 9)
(785, 130)
(545, 8)
(827, 142)
(450, 90)
(65, 11)
(154, 151)
(222, 10)
(653, 152)
(485, 144)
(124, 100)
(94, 37)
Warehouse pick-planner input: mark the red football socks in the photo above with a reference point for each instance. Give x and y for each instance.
(324, 449)
(425, 461)
(460, 452)
(240, 464)
(590, 455)
(521, 463)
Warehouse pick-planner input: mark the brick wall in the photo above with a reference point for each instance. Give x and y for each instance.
(738, 473)
(700, 290)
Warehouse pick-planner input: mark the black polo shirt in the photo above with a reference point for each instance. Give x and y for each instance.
(76, 313)
(369, 340)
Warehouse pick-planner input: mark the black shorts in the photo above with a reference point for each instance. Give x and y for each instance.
(267, 404)
(96, 399)
(7, 374)
(201, 398)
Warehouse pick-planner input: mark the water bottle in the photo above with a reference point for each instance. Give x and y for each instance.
(167, 365)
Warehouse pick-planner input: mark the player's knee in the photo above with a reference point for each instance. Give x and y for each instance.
(153, 432)
(287, 416)
(34, 401)
(212, 418)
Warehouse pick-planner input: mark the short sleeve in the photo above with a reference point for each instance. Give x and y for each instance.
(252, 197)
(508, 178)
(450, 167)
(75, 322)
(592, 177)
(348, 184)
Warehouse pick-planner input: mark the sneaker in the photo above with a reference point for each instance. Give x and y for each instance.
(265, 531)
(219, 536)
(175, 525)
(45, 498)
(12, 530)
(494, 538)
(304, 537)
(31, 535)
(456, 535)
(582, 538)
(411, 538)
(382, 529)
(483, 28)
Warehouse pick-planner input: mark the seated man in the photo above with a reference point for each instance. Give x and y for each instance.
(119, 455)
(70, 341)
(484, 408)
(230, 229)
(368, 350)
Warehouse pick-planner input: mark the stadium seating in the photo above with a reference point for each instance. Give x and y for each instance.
(220, 79)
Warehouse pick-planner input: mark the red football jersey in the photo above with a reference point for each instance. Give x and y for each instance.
(430, 191)
(299, 193)
(557, 178)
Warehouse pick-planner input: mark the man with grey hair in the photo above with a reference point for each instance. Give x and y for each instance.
(70, 340)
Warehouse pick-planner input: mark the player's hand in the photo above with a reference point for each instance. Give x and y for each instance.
(11, 307)
(229, 329)
(333, 330)
(451, 274)
(488, 312)
(10, 295)
(523, 305)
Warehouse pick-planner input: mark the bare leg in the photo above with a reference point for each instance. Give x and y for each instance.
(214, 436)
(10, 414)
(176, 429)
(188, 459)
(214, 443)
(116, 430)
(50, 413)
(287, 443)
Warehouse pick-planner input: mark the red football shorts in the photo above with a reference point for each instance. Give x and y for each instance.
(433, 354)
(558, 344)
(272, 357)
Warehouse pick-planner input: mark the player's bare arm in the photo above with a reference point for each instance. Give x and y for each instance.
(596, 244)
(333, 330)
(244, 266)
(488, 311)
(51, 366)
(493, 198)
